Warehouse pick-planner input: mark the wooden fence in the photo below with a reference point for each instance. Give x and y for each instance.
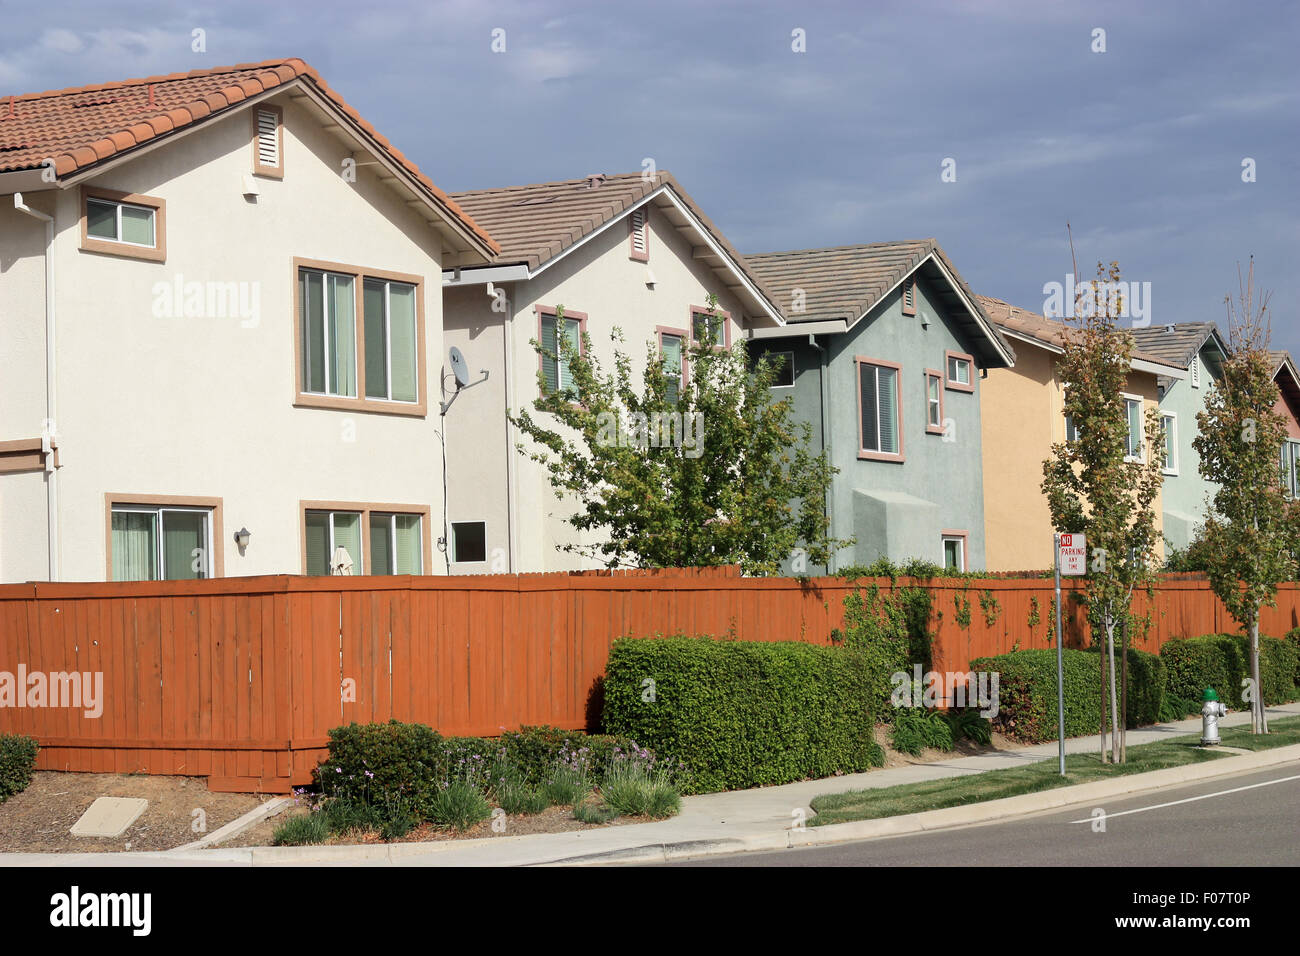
(240, 679)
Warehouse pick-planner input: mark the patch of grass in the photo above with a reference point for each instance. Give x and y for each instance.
(1037, 777)
(302, 830)
(633, 789)
(459, 806)
(567, 786)
(591, 812)
(515, 798)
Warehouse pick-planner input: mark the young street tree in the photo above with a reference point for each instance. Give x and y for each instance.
(1104, 481)
(697, 467)
(1247, 538)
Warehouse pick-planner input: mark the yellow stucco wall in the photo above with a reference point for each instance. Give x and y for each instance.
(1022, 415)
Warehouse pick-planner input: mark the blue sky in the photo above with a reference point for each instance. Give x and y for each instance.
(1140, 148)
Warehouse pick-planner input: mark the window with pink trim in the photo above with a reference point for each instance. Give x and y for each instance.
(933, 402)
(880, 415)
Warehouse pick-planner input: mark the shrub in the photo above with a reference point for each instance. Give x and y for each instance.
(459, 805)
(17, 761)
(742, 714)
(392, 758)
(1177, 708)
(301, 830)
(1222, 661)
(518, 798)
(1027, 691)
(568, 785)
(966, 722)
(588, 812)
(876, 624)
(918, 727)
(634, 788)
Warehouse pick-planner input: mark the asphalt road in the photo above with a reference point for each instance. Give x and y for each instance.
(1259, 826)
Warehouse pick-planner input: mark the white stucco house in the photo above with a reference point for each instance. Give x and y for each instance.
(221, 312)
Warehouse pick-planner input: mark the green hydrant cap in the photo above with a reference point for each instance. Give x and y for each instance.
(1209, 694)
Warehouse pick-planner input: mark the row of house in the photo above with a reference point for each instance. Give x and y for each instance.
(227, 304)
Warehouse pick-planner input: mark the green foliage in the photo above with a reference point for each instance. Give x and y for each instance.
(877, 625)
(568, 785)
(633, 787)
(966, 723)
(961, 605)
(1177, 708)
(17, 761)
(517, 799)
(1222, 661)
(592, 812)
(991, 607)
(744, 714)
(917, 568)
(301, 830)
(1035, 616)
(719, 474)
(1027, 691)
(918, 727)
(458, 806)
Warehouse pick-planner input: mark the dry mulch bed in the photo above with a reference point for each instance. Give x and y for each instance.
(38, 819)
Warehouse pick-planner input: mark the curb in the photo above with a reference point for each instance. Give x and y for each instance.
(976, 813)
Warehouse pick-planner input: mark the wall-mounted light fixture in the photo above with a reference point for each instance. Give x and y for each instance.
(241, 539)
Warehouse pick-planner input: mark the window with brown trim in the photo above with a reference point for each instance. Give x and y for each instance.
(163, 537)
(123, 224)
(639, 238)
(551, 332)
(711, 327)
(268, 141)
(351, 538)
(960, 369)
(359, 338)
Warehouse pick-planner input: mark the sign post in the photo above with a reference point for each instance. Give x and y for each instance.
(1071, 558)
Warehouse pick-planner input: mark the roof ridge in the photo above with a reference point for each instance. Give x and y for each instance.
(554, 183)
(160, 78)
(860, 245)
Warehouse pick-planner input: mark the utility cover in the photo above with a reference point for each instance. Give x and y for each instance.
(109, 816)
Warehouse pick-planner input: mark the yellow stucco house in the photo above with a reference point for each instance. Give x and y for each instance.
(1022, 417)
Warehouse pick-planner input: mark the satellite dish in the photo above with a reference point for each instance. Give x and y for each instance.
(459, 368)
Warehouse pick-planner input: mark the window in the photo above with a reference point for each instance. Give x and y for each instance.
(1071, 433)
(469, 541)
(170, 539)
(639, 241)
(674, 359)
(1290, 456)
(954, 550)
(1169, 443)
(123, 224)
(933, 402)
(711, 328)
(1135, 447)
(909, 297)
(782, 364)
(360, 338)
(551, 332)
(880, 417)
(268, 142)
(391, 341)
(961, 369)
(360, 539)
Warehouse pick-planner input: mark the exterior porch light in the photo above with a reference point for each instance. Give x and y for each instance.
(241, 539)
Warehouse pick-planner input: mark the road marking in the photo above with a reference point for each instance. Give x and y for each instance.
(1206, 796)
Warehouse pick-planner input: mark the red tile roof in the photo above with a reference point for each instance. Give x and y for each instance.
(83, 125)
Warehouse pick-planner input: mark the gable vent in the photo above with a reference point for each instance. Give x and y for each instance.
(909, 297)
(640, 250)
(1196, 374)
(268, 139)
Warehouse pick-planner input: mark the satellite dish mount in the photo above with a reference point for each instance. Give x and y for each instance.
(460, 372)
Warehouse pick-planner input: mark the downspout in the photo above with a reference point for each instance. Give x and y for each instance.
(49, 433)
(509, 348)
(825, 423)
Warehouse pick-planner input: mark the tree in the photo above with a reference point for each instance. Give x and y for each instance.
(1249, 532)
(698, 467)
(1104, 481)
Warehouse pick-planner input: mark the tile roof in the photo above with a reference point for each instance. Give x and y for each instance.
(1177, 344)
(1050, 332)
(845, 282)
(83, 125)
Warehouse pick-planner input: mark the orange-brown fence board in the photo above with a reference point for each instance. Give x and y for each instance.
(240, 679)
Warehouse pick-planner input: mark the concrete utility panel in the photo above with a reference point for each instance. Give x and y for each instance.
(109, 816)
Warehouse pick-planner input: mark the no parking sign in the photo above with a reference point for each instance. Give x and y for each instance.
(1073, 555)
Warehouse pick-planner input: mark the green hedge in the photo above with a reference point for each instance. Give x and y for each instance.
(742, 714)
(17, 761)
(383, 764)
(1222, 661)
(1027, 691)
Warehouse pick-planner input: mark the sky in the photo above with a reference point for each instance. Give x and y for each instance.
(986, 125)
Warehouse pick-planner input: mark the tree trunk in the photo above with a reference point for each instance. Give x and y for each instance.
(1114, 703)
(1258, 720)
(1123, 697)
(1101, 659)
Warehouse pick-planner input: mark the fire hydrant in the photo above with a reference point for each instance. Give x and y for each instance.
(1211, 711)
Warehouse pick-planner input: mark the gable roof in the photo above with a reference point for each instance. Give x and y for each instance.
(84, 126)
(1050, 334)
(538, 224)
(1179, 343)
(844, 283)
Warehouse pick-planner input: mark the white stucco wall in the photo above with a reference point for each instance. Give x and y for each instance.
(204, 405)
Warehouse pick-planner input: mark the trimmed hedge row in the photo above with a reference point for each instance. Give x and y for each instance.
(744, 714)
(377, 762)
(1027, 691)
(17, 761)
(1222, 661)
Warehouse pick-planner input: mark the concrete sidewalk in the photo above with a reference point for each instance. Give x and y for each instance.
(709, 823)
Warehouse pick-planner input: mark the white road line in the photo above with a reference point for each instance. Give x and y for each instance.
(1207, 796)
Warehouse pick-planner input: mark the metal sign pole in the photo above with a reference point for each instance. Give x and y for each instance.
(1060, 657)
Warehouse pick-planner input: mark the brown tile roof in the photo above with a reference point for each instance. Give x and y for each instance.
(83, 125)
(1179, 343)
(845, 282)
(1050, 332)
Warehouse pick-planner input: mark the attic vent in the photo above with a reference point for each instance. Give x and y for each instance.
(267, 160)
(594, 181)
(909, 297)
(102, 101)
(638, 225)
(1196, 374)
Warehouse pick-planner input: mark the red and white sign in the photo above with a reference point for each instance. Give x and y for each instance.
(1074, 555)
